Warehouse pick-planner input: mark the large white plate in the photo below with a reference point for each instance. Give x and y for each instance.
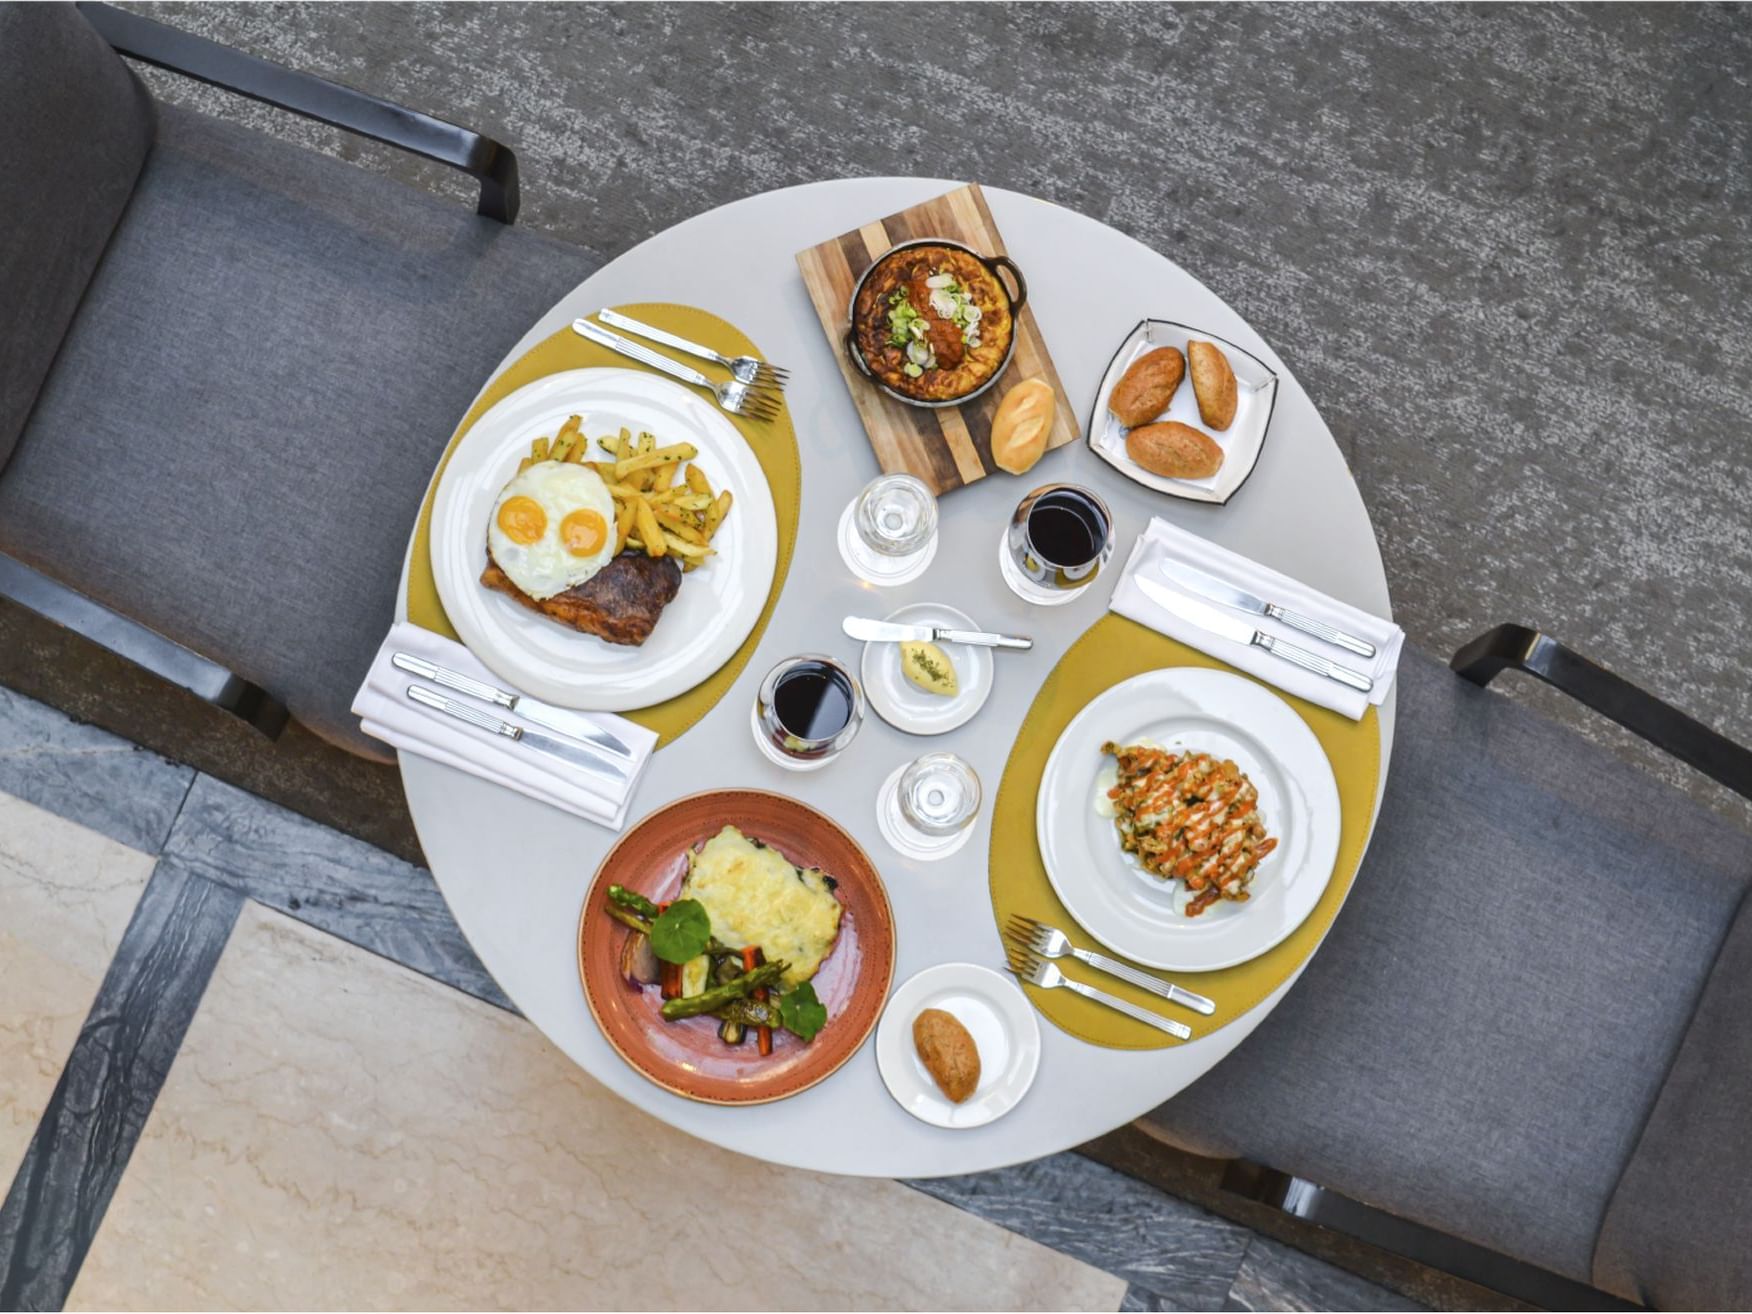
(996, 1014)
(1121, 904)
(712, 614)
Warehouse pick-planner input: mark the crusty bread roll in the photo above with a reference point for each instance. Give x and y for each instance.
(1020, 427)
(1213, 383)
(1174, 450)
(948, 1053)
(1144, 391)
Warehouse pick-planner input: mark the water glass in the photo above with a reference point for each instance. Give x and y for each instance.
(888, 534)
(927, 808)
(808, 709)
(1056, 544)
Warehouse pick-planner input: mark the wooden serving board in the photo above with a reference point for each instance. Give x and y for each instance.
(947, 448)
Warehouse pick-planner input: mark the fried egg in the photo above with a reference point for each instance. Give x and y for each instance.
(552, 528)
(757, 898)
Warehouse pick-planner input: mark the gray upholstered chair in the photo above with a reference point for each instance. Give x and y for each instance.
(228, 364)
(1531, 1026)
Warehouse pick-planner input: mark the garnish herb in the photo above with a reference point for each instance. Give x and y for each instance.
(681, 931)
(803, 1014)
(924, 661)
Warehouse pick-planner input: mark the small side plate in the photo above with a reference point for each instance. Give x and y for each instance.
(905, 706)
(1005, 1031)
(1256, 382)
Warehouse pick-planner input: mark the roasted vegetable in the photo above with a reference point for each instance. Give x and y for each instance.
(638, 964)
(731, 1033)
(695, 974)
(629, 899)
(718, 996)
(627, 917)
(752, 1012)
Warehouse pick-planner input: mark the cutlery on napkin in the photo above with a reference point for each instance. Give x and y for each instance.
(587, 777)
(1258, 620)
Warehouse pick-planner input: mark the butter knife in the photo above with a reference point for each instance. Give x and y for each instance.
(875, 631)
(1209, 586)
(1207, 617)
(564, 749)
(573, 725)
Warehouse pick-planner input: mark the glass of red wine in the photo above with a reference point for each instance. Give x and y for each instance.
(808, 709)
(1056, 544)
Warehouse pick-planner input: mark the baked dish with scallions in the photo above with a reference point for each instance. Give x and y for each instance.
(933, 322)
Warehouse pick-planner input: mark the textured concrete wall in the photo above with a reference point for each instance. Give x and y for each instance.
(1505, 248)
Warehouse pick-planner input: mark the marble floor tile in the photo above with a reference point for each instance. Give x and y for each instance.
(1184, 1257)
(341, 1132)
(66, 894)
(87, 775)
(330, 880)
(1274, 1276)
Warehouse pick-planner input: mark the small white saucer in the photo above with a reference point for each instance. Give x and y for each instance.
(905, 706)
(1004, 1029)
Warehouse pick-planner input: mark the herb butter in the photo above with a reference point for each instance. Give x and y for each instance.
(929, 667)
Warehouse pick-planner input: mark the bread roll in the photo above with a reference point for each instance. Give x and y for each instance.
(1213, 383)
(1174, 450)
(1020, 427)
(1144, 391)
(948, 1053)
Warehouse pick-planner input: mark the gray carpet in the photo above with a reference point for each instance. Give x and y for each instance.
(1505, 248)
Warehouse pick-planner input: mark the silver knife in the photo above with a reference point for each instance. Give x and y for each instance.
(574, 725)
(861, 627)
(1221, 623)
(564, 749)
(1209, 586)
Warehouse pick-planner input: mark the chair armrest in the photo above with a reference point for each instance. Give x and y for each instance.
(146, 648)
(1663, 725)
(316, 98)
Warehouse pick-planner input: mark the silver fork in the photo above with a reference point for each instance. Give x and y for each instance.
(1050, 942)
(748, 369)
(1037, 971)
(735, 396)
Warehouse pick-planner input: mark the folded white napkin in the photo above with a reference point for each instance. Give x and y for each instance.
(1162, 545)
(387, 713)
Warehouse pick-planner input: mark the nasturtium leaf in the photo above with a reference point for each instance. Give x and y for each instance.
(802, 1012)
(681, 931)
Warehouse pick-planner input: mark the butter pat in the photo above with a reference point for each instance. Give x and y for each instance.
(929, 667)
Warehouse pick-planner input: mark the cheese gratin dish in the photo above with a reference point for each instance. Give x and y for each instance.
(933, 322)
(1189, 817)
(757, 898)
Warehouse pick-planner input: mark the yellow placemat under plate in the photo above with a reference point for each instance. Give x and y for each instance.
(1112, 650)
(774, 445)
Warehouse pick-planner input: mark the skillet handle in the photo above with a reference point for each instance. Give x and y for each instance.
(995, 263)
(851, 344)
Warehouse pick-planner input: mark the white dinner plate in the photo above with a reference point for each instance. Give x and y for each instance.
(1004, 1029)
(1111, 895)
(1256, 385)
(905, 706)
(718, 603)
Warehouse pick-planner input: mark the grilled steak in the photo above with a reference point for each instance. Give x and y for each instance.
(620, 603)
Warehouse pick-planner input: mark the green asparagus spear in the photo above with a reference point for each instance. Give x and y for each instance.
(751, 1013)
(633, 902)
(629, 918)
(718, 996)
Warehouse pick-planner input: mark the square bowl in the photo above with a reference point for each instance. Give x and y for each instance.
(1256, 385)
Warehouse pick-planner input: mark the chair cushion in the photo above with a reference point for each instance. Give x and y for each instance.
(235, 441)
(1480, 1039)
(77, 125)
(1678, 1234)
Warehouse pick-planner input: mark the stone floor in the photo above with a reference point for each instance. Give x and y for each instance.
(232, 1039)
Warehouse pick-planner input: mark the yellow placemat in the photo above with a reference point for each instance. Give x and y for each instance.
(1115, 649)
(774, 445)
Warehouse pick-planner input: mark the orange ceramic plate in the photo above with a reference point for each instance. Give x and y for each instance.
(686, 1056)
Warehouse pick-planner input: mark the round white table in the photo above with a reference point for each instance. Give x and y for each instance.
(515, 872)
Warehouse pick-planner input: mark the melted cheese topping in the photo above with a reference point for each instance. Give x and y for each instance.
(756, 897)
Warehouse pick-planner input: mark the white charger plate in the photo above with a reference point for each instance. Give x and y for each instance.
(1256, 386)
(1111, 895)
(718, 603)
(905, 706)
(1004, 1029)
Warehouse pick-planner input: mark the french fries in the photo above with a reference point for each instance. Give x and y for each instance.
(653, 512)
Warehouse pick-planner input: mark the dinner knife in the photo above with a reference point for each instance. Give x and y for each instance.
(861, 627)
(1209, 586)
(571, 724)
(1209, 618)
(564, 749)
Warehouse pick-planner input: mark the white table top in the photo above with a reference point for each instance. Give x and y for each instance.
(515, 872)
